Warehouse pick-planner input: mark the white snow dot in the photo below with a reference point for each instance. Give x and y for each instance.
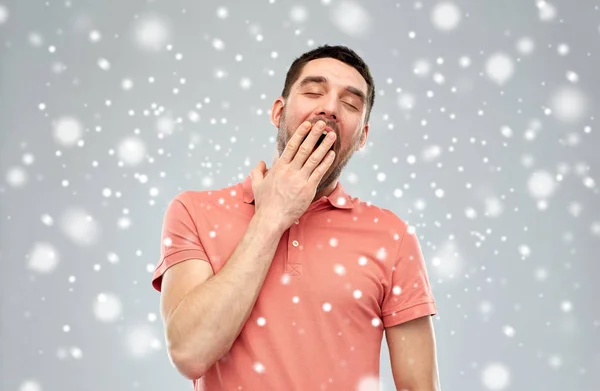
(222, 12)
(126, 84)
(525, 45)
(541, 274)
(563, 49)
(509, 331)
(151, 33)
(76, 353)
(541, 185)
(245, 83)
(218, 44)
(141, 340)
(470, 213)
(113, 258)
(555, 361)
(464, 62)
(3, 14)
(486, 307)
(406, 101)
(30, 385)
(362, 260)
(421, 67)
(524, 250)
(104, 64)
(431, 153)
(369, 383)
(132, 150)
(107, 307)
(339, 269)
(499, 68)
(28, 159)
(35, 39)
(546, 11)
(445, 16)
(566, 306)
(350, 17)
(326, 307)
(79, 226)
(572, 77)
(357, 294)
(16, 176)
(298, 14)
(67, 131)
(47, 219)
(375, 322)
(569, 104)
(261, 321)
(495, 376)
(382, 254)
(506, 131)
(95, 36)
(258, 367)
(43, 258)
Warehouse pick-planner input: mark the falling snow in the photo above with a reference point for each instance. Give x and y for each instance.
(483, 139)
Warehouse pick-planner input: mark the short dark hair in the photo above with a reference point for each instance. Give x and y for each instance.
(341, 53)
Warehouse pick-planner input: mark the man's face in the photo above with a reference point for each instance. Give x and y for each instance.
(327, 90)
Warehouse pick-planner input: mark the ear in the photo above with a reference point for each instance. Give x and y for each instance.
(276, 110)
(363, 136)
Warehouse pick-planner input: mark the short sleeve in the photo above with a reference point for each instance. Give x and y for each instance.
(409, 295)
(179, 237)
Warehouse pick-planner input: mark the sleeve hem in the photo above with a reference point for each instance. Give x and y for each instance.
(410, 313)
(174, 259)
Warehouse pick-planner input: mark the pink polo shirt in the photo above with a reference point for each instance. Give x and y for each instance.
(341, 274)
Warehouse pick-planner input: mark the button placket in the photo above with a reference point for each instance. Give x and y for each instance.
(293, 267)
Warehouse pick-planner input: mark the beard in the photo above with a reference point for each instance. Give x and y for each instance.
(342, 156)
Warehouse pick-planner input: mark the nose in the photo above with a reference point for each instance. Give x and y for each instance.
(328, 107)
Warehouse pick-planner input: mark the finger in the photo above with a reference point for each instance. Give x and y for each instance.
(292, 146)
(317, 156)
(319, 172)
(307, 147)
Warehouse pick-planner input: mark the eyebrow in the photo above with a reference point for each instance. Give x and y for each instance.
(323, 80)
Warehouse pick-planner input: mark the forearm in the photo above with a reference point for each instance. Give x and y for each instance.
(208, 320)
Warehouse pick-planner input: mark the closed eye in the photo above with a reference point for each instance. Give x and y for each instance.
(315, 94)
(351, 106)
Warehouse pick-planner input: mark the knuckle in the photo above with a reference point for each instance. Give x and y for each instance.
(304, 149)
(291, 146)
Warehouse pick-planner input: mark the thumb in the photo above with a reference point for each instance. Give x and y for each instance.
(257, 173)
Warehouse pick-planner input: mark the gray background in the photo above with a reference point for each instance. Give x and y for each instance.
(497, 168)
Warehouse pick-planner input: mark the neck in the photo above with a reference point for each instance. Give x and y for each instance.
(325, 191)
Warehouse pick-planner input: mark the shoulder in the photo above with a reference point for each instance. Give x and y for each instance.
(384, 217)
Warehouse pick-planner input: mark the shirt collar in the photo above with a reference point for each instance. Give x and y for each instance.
(338, 197)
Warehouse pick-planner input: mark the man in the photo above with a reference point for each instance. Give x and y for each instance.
(284, 281)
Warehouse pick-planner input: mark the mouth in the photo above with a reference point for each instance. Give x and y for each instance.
(322, 137)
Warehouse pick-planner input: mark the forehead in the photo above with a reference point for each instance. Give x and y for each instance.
(337, 73)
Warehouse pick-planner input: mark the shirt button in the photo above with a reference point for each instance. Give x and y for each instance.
(297, 221)
(295, 243)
